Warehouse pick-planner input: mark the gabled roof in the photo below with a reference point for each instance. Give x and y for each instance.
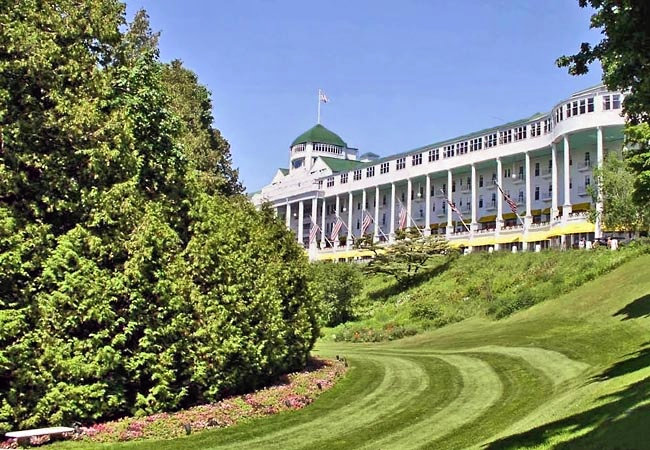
(319, 134)
(340, 165)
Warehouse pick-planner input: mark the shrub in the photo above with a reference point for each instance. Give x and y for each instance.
(335, 285)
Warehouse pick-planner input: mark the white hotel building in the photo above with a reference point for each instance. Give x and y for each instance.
(544, 163)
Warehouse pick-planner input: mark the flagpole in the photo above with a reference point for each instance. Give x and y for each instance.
(318, 107)
(411, 218)
(503, 193)
(459, 216)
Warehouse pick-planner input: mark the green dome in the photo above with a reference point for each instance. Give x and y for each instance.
(321, 135)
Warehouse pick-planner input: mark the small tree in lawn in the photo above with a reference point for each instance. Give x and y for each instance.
(408, 255)
(616, 183)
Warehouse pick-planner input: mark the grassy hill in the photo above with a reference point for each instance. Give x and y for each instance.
(571, 372)
(477, 285)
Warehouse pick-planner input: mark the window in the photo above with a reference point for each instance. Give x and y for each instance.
(535, 129)
(548, 126)
(400, 163)
(570, 183)
(444, 206)
(320, 184)
(357, 175)
(383, 200)
(606, 102)
(568, 110)
(461, 148)
(583, 106)
(370, 172)
(344, 178)
(416, 159)
(506, 172)
(616, 101)
(449, 150)
(469, 181)
(494, 177)
(480, 201)
(550, 165)
(587, 159)
(536, 192)
(590, 104)
(421, 212)
(520, 133)
(357, 224)
(444, 188)
(587, 180)
(330, 182)
(536, 169)
(491, 140)
(453, 186)
(575, 108)
(383, 168)
(383, 219)
(505, 137)
(358, 206)
(520, 197)
(480, 181)
(550, 190)
(433, 189)
(403, 197)
(434, 154)
(521, 173)
(421, 191)
(475, 144)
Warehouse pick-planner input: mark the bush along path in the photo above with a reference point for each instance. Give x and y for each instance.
(293, 391)
(570, 372)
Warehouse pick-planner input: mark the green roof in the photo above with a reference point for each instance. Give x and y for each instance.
(340, 165)
(320, 134)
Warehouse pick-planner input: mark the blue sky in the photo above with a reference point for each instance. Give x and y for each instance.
(399, 74)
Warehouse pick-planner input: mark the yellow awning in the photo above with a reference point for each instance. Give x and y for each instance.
(344, 254)
(572, 228)
(581, 207)
(536, 236)
(485, 240)
(486, 219)
(508, 216)
(536, 212)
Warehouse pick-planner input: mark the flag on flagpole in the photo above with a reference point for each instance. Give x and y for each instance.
(511, 203)
(336, 228)
(454, 208)
(367, 220)
(313, 231)
(402, 217)
(322, 97)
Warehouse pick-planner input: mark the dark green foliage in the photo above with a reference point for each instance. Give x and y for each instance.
(335, 285)
(133, 279)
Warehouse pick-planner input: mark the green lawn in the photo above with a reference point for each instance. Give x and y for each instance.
(572, 372)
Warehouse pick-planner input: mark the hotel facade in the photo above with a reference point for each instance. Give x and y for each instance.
(543, 163)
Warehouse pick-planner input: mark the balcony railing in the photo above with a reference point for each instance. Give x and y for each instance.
(583, 167)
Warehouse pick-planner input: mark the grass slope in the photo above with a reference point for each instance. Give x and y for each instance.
(572, 372)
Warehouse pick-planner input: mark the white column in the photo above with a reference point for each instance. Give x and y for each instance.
(409, 188)
(313, 220)
(287, 216)
(323, 224)
(599, 201)
(554, 186)
(566, 208)
(348, 242)
(499, 223)
(363, 208)
(376, 220)
(301, 213)
(337, 213)
(529, 210)
(450, 227)
(427, 205)
(474, 224)
(392, 212)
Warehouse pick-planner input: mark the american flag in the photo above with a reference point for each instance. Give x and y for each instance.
(367, 220)
(511, 203)
(323, 97)
(336, 228)
(402, 217)
(313, 231)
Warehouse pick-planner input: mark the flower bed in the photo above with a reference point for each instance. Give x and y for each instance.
(293, 391)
